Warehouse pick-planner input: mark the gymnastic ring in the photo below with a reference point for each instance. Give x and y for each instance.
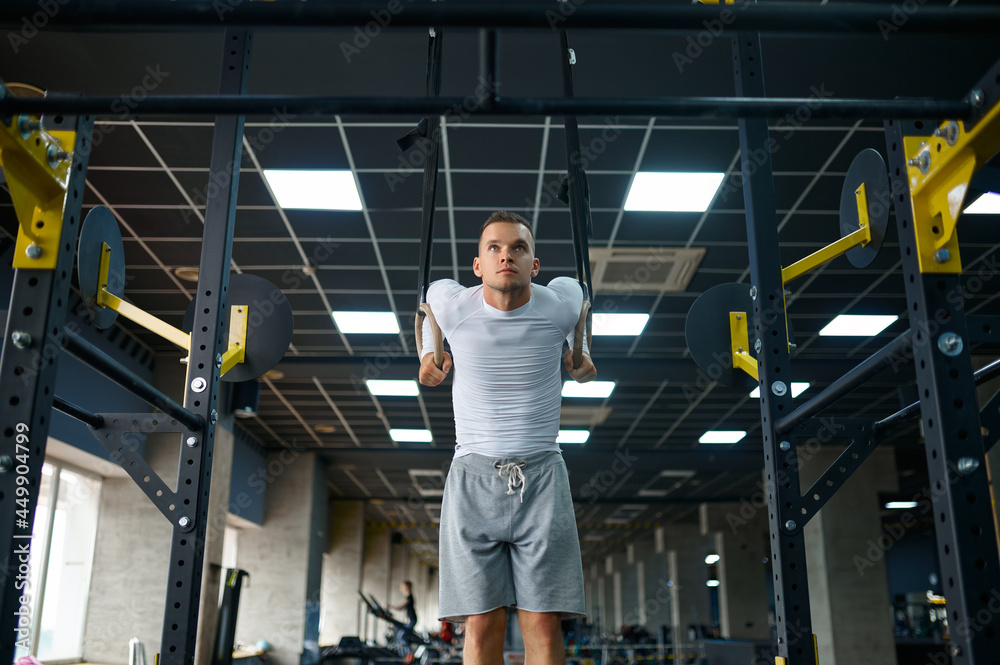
(418, 326)
(583, 325)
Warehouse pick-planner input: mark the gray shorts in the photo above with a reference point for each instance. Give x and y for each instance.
(509, 550)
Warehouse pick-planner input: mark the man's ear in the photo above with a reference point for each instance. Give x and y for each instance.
(475, 267)
(534, 267)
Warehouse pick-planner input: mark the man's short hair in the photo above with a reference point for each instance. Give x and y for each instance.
(510, 218)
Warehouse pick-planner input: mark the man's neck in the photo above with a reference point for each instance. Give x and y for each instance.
(507, 302)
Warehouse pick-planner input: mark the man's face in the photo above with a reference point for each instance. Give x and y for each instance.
(506, 261)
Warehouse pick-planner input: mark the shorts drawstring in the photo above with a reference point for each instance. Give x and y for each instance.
(515, 477)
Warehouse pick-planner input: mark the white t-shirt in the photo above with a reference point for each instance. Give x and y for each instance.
(507, 380)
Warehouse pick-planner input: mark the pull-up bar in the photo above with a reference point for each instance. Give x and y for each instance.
(704, 107)
(127, 379)
(770, 18)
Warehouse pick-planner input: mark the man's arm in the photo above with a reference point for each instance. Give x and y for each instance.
(570, 292)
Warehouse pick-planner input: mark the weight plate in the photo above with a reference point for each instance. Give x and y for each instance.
(708, 336)
(269, 325)
(100, 227)
(868, 168)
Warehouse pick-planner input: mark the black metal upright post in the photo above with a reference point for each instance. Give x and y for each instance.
(187, 550)
(788, 555)
(28, 363)
(960, 494)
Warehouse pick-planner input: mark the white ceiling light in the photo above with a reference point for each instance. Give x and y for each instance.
(855, 325)
(712, 558)
(313, 190)
(673, 192)
(987, 204)
(590, 389)
(573, 436)
(380, 387)
(411, 435)
(619, 324)
(797, 389)
(370, 323)
(900, 505)
(722, 436)
(712, 583)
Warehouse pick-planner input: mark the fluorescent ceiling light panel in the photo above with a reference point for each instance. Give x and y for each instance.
(367, 323)
(313, 190)
(857, 325)
(619, 324)
(411, 435)
(598, 389)
(901, 504)
(797, 389)
(712, 583)
(987, 204)
(380, 387)
(573, 436)
(672, 192)
(712, 558)
(722, 436)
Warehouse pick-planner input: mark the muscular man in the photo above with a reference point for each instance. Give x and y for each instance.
(508, 530)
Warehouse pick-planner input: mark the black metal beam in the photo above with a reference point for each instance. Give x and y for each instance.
(127, 379)
(791, 581)
(873, 20)
(910, 412)
(74, 411)
(895, 352)
(28, 364)
(703, 107)
(960, 493)
(187, 549)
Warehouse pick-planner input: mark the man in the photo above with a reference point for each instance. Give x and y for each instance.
(508, 530)
(406, 588)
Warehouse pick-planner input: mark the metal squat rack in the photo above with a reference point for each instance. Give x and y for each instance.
(47, 182)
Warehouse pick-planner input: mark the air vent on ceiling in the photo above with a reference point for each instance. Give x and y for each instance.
(429, 482)
(653, 269)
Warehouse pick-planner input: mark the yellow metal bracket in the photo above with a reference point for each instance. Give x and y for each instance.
(133, 313)
(861, 237)
(36, 164)
(939, 169)
(739, 336)
(237, 351)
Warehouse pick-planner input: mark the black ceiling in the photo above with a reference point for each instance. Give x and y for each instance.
(153, 174)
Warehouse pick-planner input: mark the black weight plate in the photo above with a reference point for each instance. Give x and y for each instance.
(269, 325)
(708, 337)
(100, 227)
(869, 168)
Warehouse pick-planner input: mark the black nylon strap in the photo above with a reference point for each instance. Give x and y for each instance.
(426, 136)
(577, 191)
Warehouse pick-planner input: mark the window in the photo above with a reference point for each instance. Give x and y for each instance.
(62, 545)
